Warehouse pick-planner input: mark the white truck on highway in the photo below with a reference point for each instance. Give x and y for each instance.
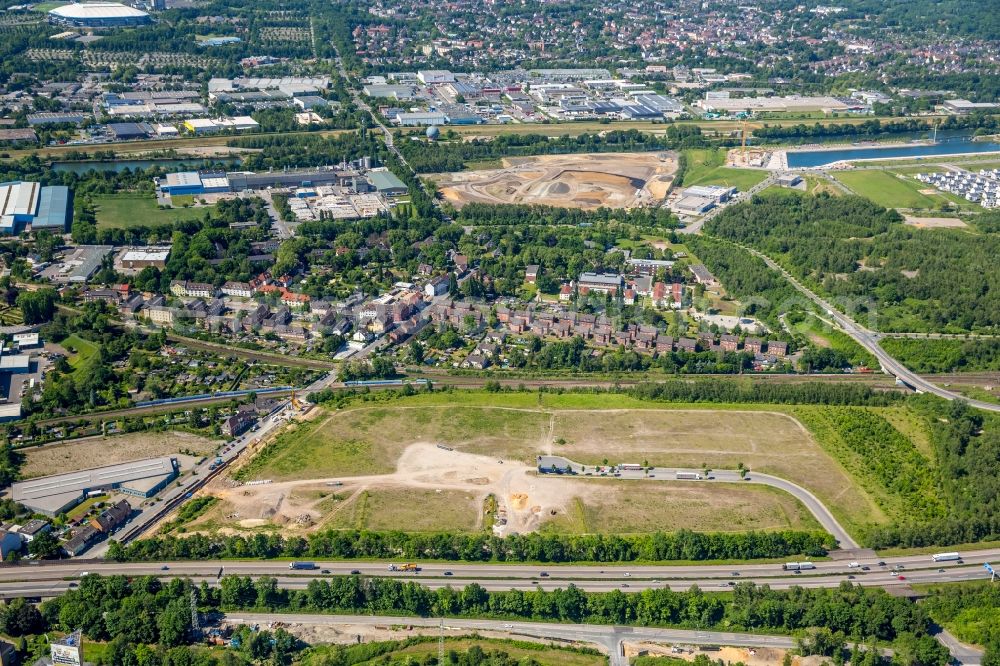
(798, 566)
(946, 557)
(689, 476)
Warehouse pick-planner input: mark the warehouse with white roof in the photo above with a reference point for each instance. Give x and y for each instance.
(52, 495)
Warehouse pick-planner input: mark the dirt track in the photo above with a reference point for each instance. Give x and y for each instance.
(611, 180)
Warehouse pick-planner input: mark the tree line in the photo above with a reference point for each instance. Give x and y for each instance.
(481, 547)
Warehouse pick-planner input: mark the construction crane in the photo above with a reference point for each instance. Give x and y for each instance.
(296, 403)
(744, 134)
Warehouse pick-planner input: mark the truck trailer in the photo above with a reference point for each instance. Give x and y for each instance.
(689, 476)
(798, 566)
(302, 565)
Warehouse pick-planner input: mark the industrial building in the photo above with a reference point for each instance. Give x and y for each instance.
(386, 182)
(52, 495)
(26, 203)
(134, 259)
(98, 15)
(194, 182)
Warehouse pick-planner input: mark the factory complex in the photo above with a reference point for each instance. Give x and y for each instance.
(28, 204)
(52, 495)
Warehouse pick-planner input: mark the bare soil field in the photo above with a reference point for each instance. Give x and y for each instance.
(437, 489)
(934, 222)
(97, 451)
(611, 180)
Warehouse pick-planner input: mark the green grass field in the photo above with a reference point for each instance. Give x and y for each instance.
(81, 350)
(46, 6)
(126, 210)
(705, 167)
(894, 191)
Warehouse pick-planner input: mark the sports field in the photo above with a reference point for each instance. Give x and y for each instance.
(124, 211)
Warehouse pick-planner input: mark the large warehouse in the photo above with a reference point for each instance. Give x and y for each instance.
(25, 203)
(55, 494)
(98, 15)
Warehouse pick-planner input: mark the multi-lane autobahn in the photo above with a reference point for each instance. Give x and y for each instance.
(32, 579)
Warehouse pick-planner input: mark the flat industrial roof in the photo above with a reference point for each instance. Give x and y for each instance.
(51, 493)
(183, 179)
(53, 208)
(385, 180)
(145, 254)
(18, 198)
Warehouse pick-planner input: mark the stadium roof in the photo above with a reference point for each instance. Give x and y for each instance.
(97, 10)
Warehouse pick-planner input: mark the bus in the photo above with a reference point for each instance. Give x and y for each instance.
(798, 566)
(946, 557)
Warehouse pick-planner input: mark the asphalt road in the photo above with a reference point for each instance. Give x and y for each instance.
(669, 474)
(827, 573)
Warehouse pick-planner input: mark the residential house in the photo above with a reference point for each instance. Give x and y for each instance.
(777, 348)
(112, 517)
(729, 343)
(752, 345)
(531, 273)
(238, 423)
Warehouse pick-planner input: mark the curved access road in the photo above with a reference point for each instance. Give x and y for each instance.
(868, 339)
(811, 502)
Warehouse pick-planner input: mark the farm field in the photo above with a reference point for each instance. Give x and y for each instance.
(71, 456)
(706, 167)
(482, 444)
(613, 180)
(124, 211)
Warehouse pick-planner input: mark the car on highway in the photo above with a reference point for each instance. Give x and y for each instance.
(164, 568)
(447, 573)
(544, 574)
(626, 574)
(901, 577)
(734, 573)
(624, 584)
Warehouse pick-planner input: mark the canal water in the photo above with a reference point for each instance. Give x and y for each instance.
(175, 164)
(951, 145)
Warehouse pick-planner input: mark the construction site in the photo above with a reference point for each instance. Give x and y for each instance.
(588, 181)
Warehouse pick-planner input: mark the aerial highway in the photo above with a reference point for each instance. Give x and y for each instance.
(826, 573)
